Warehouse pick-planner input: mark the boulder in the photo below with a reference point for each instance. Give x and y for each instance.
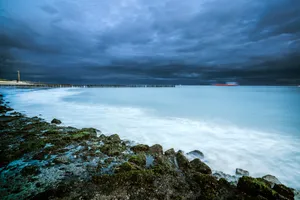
(114, 138)
(257, 187)
(140, 148)
(156, 149)
(272, 179)
(182, 161)
(284, 191)
(241, 172)
(170, 152)
(196, 154)
(200, 166)
(113, 149)
(55, 121)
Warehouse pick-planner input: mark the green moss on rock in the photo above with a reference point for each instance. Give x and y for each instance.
(208, 186)
(113, 149)
(183, 162)
(170, 152)
(255, 187)
(139, 159)
(125, 167)
(200, 166)
(140, 148)
(284, 191)
(156, 149)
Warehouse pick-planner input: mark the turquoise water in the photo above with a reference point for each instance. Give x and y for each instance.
(254, 128)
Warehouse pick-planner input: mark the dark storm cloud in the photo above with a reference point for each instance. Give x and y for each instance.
(158, 41)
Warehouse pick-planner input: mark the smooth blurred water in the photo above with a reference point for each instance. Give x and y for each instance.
(255, 128)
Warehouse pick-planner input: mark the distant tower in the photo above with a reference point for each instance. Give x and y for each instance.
(19, 76)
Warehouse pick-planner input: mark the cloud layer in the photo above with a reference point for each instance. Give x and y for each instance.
(157, 41)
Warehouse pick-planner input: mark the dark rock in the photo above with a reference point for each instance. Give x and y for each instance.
(113, 149)
(170, 152)
(140, 148)
(208, 185)
(196, 154)
(113, 138)
(30, 170)
(183, 162)
(284, 191)
(38, 184)
(163, 165)
(55, 121)
(241, 172)
(255, 187)
(156, 149)
(200, 166)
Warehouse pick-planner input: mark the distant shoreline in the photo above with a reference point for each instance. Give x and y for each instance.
(28, 84)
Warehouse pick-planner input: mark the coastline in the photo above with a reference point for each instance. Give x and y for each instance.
(41, 160)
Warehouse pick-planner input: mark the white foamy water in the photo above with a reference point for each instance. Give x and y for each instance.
(228, 138)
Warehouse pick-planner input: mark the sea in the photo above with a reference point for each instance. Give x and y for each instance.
(253, 128)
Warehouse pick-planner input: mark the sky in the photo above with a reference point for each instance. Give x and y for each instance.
(151, 41)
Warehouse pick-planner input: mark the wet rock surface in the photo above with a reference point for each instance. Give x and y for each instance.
(40, 160)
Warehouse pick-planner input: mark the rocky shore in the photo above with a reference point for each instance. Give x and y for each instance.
(41, 160)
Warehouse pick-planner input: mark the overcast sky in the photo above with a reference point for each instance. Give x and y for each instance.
(151, 41)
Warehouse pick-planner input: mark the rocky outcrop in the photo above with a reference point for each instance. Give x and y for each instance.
(170, 152)
(140, 148)
(55, 121)
(200, 166)
(257, 187)
(156, 149)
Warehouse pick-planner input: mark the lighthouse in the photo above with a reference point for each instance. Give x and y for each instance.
(19, 76)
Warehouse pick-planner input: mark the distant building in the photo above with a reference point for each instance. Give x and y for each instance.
(19, 76)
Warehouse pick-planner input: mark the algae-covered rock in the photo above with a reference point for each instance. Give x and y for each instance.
(138, 159)
(170, 152)
(255, 187)
(207, 185)
(113, 138)
(140, 148)
(85, 133)
(241, 172)
(200, 166)
(156, 149)
(284, 191)
(113, 149)
(125, 167)
(55, 121)
(163, 165)
(183, 162)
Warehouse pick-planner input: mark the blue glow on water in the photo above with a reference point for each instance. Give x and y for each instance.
(254, 128)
